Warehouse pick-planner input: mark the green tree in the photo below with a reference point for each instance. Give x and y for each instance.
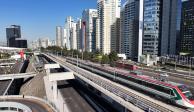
(113, 58)
(105, 59)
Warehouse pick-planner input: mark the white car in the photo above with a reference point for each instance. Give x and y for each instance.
(164, 75)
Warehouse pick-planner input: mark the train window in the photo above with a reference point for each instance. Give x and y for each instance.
(189, 95)
(183, 88)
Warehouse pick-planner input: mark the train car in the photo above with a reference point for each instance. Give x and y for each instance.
(169, 91)
(126, 66)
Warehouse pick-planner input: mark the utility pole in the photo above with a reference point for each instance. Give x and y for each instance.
(175, 61)
(61, 53)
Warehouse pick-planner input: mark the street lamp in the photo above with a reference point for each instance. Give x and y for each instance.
(61, 53)
(77, 63)
(175, 62)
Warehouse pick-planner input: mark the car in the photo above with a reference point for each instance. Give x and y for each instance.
(164, 75)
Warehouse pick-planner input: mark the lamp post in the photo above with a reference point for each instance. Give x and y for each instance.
(175, 62)
(61, 53)
(77, 63)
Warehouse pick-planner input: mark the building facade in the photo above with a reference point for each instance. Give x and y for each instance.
(170, 27)
(21, 43)
(79, 34)
(108, 13)
(14, 39)
(12, 33)
(151, 26)
(132, 29)
(89, 17)
(59, 36)
(43, 42)
(73, 37)
(68, 26)
(161, 26)
(187, 27)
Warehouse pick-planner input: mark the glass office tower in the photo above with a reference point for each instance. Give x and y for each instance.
(151, 26)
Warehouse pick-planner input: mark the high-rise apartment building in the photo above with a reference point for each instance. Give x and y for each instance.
(68, 26)
(98, 42)
(59, 36)
(132, 29)
(187, 27)
(89, 17)
(64, 38)
(161, 26)
(73, 37)
(79, 34)
(108, 13)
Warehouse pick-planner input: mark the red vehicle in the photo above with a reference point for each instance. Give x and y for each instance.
(126, 66)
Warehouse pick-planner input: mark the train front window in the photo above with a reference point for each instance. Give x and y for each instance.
(186, 92)
(183, 88)
(189, 95)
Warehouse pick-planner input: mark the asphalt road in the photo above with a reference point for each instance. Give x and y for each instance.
(74, 101)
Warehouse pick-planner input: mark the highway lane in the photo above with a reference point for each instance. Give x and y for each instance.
(34, 105)
(100, 102)
(72, 98)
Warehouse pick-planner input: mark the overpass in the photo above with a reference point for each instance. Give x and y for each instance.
(16, 76)
(21, 103)
(127, 97)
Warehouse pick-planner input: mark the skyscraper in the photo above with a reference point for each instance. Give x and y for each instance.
(170, 27)
(68, 27)
(14, 39)
(89, 17)
(79, 34)
(187, 26)
(73, 37)
(161, 25)
(108, 13)
(12, 33)
(152, 11)
(132, 29)
(59, 36)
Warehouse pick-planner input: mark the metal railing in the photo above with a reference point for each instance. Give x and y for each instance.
(128, 96)
(14, 106)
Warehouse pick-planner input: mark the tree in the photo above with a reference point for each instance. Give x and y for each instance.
(105, 59)
(113, 58)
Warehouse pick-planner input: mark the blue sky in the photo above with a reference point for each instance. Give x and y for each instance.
(38, 18)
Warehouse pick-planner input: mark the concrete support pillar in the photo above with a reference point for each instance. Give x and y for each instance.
(55, 91)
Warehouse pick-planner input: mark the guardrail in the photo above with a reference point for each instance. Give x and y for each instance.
(14, 106)
(29, 97)
(120, 92)
(17, 76)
